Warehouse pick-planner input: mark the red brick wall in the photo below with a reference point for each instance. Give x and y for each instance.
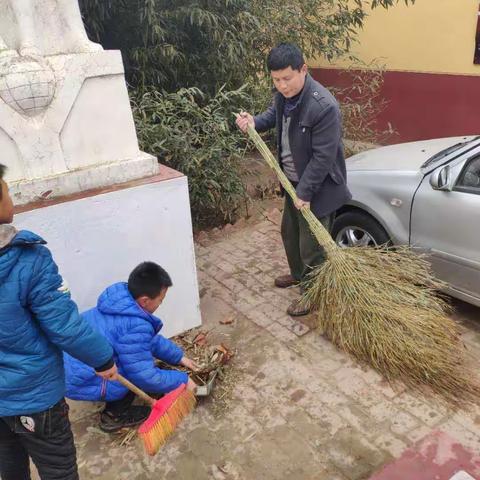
(421, 105)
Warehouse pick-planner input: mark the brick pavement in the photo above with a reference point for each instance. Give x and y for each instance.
(301, 409)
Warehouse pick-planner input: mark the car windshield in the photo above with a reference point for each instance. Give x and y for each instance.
(447, 151)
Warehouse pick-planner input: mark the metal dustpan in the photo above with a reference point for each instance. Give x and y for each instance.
(205, 389)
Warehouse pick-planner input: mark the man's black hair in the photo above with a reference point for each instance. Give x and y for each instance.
(285, 55)
(148, 279)
(3, 169)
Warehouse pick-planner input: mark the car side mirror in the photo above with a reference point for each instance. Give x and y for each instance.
(440, 179)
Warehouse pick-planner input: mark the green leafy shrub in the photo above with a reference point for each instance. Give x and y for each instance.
(209, 43)
(194, 134)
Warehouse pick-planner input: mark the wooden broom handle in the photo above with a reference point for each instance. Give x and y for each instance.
(133, 388)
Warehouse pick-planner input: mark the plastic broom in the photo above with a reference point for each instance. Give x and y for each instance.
(381, 306)
(166, 414)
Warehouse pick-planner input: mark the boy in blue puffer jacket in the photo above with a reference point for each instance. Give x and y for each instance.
(38, 320)
(124, 316)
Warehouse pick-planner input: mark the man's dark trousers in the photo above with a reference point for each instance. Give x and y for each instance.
(46, 437)
(302, 249)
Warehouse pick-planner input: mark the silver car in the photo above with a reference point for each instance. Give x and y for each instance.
(423, 194)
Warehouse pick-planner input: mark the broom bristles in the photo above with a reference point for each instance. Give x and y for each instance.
(166, 414)
(387, 317)
(382, 306)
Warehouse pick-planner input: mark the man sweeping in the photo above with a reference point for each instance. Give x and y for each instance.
(310, 152)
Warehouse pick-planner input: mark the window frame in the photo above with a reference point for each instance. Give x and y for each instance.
(463, 188)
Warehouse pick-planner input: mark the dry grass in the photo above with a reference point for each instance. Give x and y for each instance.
(381, 306)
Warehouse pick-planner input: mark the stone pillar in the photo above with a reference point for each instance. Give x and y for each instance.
(66, 125)
(75, 169)
(65, 118)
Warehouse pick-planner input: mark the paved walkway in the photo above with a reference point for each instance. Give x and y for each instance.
(300, 409)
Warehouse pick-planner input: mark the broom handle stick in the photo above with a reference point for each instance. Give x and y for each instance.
(133, 388)
(319, 231)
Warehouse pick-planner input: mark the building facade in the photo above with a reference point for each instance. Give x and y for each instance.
(431, 83)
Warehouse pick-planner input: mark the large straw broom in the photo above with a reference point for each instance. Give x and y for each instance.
(381, 306)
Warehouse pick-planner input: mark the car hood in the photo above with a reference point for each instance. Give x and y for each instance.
(401, 157)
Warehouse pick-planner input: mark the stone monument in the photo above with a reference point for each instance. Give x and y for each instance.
(75, 169)
(64, 106)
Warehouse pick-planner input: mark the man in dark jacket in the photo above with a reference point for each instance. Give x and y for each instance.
(38, 320)
(310, 152)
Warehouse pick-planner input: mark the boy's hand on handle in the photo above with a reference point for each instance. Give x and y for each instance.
(191, 385)
(244, 119)
(190, 364)
(110, 374)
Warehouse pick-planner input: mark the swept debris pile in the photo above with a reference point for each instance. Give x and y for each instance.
(212, 359)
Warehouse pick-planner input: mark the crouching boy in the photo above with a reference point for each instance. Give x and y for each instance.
(124, 315)
(38, 320)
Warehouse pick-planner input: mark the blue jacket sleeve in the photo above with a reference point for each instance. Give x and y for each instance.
(266, 120)
(166, 350)
(57, 315)
(137, 363)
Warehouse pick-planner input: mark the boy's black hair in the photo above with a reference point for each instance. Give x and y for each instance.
(3, 169)
(148, 279)
(285, 55)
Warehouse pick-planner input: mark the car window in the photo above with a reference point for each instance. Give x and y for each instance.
(469, 179)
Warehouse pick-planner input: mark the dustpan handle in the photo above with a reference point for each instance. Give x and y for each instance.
(133, 388)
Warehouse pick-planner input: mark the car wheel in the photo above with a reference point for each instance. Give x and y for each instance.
(357, 229)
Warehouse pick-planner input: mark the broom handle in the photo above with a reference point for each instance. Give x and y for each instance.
(319, 231)
(133, 388)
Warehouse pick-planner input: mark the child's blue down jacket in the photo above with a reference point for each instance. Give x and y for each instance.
(134, 336)
(38, 320)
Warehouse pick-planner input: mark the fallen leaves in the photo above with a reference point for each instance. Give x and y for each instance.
(227, 321)
(210, 358)
(201, 339)
(225, 354)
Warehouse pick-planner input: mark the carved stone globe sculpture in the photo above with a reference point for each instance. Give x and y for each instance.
(26, 84)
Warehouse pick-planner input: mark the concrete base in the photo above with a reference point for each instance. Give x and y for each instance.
(98, 176)
(98, 237)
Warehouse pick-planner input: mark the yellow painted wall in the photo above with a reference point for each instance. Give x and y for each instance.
(430, 36)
